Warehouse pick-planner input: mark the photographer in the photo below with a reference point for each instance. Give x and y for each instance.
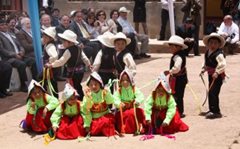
(230, 31)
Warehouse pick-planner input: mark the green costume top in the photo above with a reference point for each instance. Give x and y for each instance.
(96, 105)
(161, 103)
(128, 94)
(65, 109)
(46, 100)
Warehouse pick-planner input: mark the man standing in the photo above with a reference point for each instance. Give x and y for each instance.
(164, 18)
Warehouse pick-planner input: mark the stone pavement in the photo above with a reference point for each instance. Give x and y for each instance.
(221, 133)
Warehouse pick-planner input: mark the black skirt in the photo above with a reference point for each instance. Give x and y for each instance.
(139, 11)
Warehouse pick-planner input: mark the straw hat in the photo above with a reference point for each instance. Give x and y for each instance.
(129, 74)
(120, 35)
(164, 81)
(69, 36)
(50, 31)
(96, 77)
(176, 40)
(214, 35)
(33, 84)
(124, 9)
(105, 39)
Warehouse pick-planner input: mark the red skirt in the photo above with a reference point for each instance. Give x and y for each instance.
(129, 121)
(70, 128)
(37, 123)
(175, 125)
(103, 126)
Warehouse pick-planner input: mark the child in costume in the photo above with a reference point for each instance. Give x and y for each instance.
(67, 122)
(124, 59)
(177, 71)
(40, 106)
(160, 109)
(75, 59)
(215, 65)
(49, 56)
(130, 118)
(98, 118)
(105, 63)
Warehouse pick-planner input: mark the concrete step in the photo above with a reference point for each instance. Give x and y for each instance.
(156, 46)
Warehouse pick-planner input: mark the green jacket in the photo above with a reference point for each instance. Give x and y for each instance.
(96, 98)
(69, 110)
(50, 102)
(161, 102)
(127, 95)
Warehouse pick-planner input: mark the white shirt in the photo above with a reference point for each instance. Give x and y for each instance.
(177, 65)
(52, 52)
(221, 66)
(66, 55)
(229, 30)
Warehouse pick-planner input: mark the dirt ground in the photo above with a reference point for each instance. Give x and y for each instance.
(221, 133)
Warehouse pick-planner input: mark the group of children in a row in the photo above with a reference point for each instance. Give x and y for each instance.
(71, 118)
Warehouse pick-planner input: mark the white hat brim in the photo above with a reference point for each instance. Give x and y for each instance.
(175, 43)
(103, 41)
(50, 35)
(128, 40)
(64, 37)
(206, 38)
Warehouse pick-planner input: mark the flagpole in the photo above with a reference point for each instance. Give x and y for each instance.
(35, 25)
(171, 17)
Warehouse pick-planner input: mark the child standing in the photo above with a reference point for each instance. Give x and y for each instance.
(178, 71)
(49, 56)
(124, 59)
(130, 118)
(40, 106)
(98, 118)
(75, 59)
(160, 109)
(214, 64)
(67, 122)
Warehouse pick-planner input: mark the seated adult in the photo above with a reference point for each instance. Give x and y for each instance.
(5, 73)
(230, 31)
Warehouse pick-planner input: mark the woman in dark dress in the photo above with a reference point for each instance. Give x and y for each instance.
(139, 15)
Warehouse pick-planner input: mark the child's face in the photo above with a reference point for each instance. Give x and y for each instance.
(174, 48)
(213, 44)
(120, 45)
(125, 82)
(66, 43)
(46, 39)
(160, 91)
(72, 100)
(94, 85)
(36, 93)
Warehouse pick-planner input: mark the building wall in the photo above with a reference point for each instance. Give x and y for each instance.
(153, 12)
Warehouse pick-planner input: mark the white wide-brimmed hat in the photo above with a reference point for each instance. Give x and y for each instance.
(96, 77)
(124, 9)
(129, 74)
(164, 81)
(33, 84)
(120, 35)
(51, 32)
(105, 39)
(68, 92)
(176, 40)
(214, 35)
(69, 36)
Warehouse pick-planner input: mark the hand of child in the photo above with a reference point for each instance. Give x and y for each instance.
(164, 124)
(123, 105)
(44, 112)
(54, 129)
(148, 122)
(215, 75)
(166, 72)
(136, 103)
(48, 65)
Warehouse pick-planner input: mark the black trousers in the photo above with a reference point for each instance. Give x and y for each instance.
(213, 96)
(164, 18)
(5, 73)
(196, 39)
(180, 85)
(77, 79)
(132, 47)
